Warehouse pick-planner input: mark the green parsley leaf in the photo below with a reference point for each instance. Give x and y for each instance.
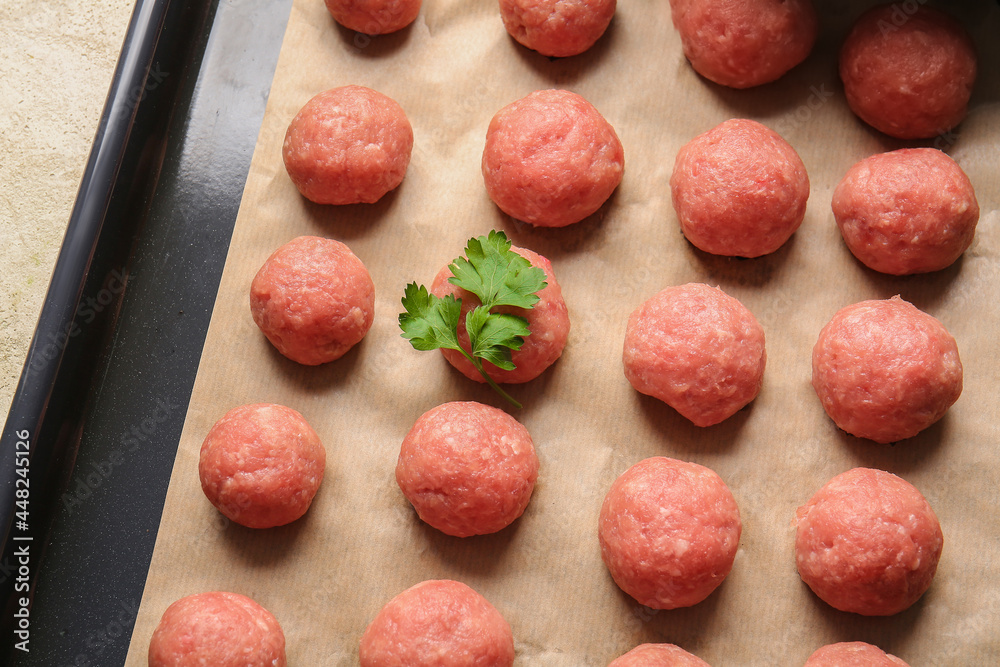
(499, 277)
(429, 323)
(496, 274)
(494, 335)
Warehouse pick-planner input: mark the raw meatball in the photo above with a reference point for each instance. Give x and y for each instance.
(908, 211)
(348, 145)
(467, 468)
(696, 349)
(548, 321)
(852, 654)
(313, 299)
(261, 465)
(438, 624)
(669, 531)
(908, 73)
(557, 27)
(867, 542)
(885, 370)
(551, 159)
(374, 17)
(739, 190)
(658, 655)
(744, 43)
(217, 629)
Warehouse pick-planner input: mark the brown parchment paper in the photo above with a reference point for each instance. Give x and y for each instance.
(327, 575)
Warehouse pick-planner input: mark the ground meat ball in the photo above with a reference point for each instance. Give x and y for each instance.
(313, 299)
(669, 531)
(551, 159)
(867, 542)
(852, 654)
(348, 145)
(696, 349)
(374, 17)
(909, 75)
(548, 321)
(557, 27)
(739, 190)
(885, 370)
(744, 43)
(438, 624)
(261, 465)
(217, 629)
(467, 468)
(658, 655)
(909, 211)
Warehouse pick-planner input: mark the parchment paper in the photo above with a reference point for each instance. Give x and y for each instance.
(327, 575)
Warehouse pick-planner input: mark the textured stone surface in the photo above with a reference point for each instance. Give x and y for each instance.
(56, 62)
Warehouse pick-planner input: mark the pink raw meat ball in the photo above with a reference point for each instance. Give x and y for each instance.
(908, 211)
(374, 17)
(698, 350)
(658, 655)
(868, 542)
(885, 370)
(313, 299)
(669, 531)
(348, 145)
(551, 159)
(467, 468)
(548, 321)
(217, 629)
(852, 654)
(744, 43)
(739, 190)
(557, 27)
(908, 73)
(438, 624)
(261, 465)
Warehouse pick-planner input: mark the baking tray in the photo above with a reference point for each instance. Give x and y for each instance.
(107, 378)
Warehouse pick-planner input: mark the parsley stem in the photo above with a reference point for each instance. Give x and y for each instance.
(479, 367)
(499, 390)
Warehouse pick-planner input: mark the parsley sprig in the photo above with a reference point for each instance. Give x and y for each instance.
(498, 276)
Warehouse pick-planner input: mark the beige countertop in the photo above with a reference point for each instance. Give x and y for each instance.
(56, 62)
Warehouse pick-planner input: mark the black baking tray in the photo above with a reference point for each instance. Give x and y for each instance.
(93, 428)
